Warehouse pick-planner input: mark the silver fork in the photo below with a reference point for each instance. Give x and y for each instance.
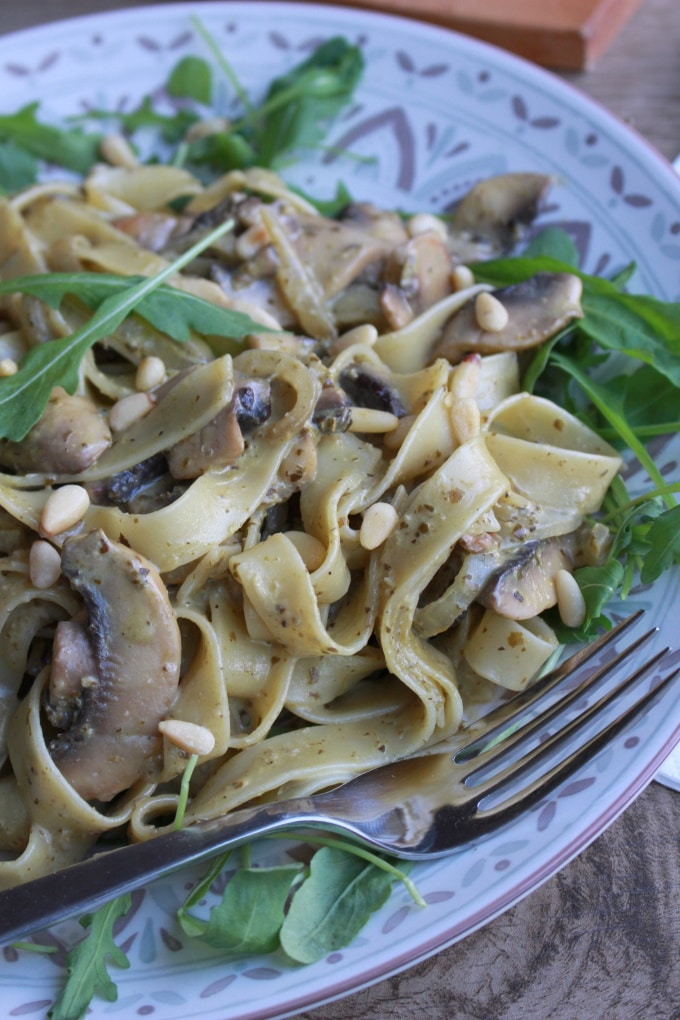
(418, 808)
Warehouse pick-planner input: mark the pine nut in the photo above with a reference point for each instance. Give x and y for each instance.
(150, 372)
(204, 128)
(64, 508)
(394, 439)
(44, 564)
(491, 314)
(365, 419)
(117, 151)
(8, 366)
(571, 604)
(423, 223)
(129, 409)
(365, 334)
(462, 277)
(466, 420)
(251, 241)
(312, 551)
(188, 736)
(379, 522)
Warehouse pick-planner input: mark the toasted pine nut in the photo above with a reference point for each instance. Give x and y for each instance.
(491, 314)
(394, 439)
(466, 420)
(379, 522)
(204, 128)
(117, 151)
(188, 736)
(8, 366)
(44, 564)
(462, 277)
(65, 506)
(312, 551)
(365, 334)
(571, 604)
(129, 409)
(150, 372)
(251, 241)
(464, 378)
(365, 419)
(422, 223)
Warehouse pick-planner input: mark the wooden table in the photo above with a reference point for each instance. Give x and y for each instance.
(602, 938)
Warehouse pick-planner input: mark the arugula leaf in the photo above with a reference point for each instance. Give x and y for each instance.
(191, 78)
(17, 168)
(174, 312)
(172, 127)
(332, 905)
(251, 911)
(86, 963)
(663, 537)
(299, 105)
(634, 325)
(75, 150)
(24, 396)
(553, 242)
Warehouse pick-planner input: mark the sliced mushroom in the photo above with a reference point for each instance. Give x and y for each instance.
(68, 438)
(537, 308)
(491, 217)
(130, 681)
(367, 388)
(421, 272)
(221, 442)
(527, 586)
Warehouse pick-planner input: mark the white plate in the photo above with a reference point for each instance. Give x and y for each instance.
(437, 111)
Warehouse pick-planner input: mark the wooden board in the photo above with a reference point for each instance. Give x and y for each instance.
(567, 34)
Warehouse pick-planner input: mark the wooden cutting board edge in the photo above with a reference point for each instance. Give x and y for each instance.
(574, 40)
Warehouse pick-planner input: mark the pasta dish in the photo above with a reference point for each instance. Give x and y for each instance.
(295, 554)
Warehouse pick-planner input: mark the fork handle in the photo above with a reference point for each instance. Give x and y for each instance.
(82, 887)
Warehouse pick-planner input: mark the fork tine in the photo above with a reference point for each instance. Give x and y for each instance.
(499, 749)
(515, 711)
(583, 752)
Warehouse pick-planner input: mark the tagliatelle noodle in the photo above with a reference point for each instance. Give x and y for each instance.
(306, 671)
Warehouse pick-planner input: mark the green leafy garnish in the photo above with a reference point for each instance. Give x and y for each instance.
(191, 78)
(86, 963)
(333, 904)
(24, 396)
(250, 914)
(73, 149)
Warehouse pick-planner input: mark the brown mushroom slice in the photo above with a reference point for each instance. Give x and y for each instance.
(527, 586)
(69, 437)
(537, 309)
(420, 270)
(221, 442)
(136, 650)
(491, 217)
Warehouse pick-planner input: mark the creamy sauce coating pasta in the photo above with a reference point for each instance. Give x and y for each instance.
(217, 573)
